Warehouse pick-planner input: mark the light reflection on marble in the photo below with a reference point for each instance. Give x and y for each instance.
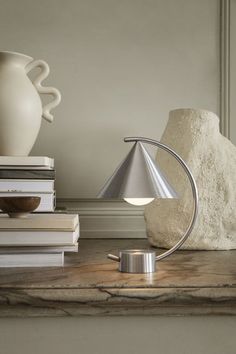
(186, 283)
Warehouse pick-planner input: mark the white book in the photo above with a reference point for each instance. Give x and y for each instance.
(38, 249)
(35, 161)
(32, 260)
(41, 222)
(27, 185)
(39, 238)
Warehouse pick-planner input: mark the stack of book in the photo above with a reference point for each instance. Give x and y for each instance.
(29, 176)
(39, 240)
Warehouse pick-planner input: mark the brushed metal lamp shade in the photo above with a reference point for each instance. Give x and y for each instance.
(139, 177)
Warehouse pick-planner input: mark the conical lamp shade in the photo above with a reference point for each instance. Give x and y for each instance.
(138, 176)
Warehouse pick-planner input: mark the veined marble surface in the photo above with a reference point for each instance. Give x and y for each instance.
(186, 283)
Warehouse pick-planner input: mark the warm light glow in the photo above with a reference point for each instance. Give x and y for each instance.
(139, 201)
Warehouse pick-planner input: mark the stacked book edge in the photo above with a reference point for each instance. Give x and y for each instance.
(38, 240)
(29, 176)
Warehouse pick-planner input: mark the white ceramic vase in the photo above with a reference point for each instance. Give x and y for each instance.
(21, 109)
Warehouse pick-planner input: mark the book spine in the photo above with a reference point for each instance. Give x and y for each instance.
(55, 221)
(38, 249)
(24, 185)
(27, 161)
(38, 238)
(26, 168)
(27, 174)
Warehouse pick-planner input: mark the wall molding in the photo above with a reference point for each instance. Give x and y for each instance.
(106, 218)
(225, 67)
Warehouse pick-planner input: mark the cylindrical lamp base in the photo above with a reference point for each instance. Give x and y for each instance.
(137, 261)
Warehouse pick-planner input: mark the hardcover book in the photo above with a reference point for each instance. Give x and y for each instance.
(40, 161)
(38, 237)
(24, 168)
(27, 174)
(38, 249)
(57, 222)
(24, 185)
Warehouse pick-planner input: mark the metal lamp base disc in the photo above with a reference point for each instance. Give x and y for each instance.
(137, 261)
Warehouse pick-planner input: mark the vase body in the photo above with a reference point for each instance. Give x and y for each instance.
(20, 105)
(195, 136)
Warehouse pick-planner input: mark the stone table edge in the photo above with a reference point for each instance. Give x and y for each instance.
(117, 301)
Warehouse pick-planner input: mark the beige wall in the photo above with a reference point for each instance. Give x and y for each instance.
(121, 66)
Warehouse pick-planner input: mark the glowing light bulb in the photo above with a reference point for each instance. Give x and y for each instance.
(139, 201)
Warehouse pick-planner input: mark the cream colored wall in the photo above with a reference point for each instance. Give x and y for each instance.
(121, 66)
(118, 335)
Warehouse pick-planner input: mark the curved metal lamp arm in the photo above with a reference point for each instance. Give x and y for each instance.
(193, 186)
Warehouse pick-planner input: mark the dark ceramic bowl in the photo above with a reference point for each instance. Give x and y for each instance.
(19, 207)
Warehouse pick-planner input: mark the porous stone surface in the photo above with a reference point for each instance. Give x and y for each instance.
(195, 136)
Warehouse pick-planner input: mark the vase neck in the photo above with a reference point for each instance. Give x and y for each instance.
(15, 59)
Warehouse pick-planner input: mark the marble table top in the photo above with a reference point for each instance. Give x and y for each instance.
(186, 283)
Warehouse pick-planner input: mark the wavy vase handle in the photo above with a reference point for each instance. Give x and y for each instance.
(43, 89)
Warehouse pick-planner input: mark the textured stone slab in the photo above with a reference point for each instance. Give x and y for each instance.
(103, 301)
(195, 136)
(193, 283)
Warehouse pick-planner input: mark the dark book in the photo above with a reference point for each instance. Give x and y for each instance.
(27, 174)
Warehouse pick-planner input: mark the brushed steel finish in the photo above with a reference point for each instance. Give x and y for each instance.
(120, 173)
(113, 257)
(138, 176)
(137, 261)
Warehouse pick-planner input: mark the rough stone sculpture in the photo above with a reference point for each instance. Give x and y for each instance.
(195, 136)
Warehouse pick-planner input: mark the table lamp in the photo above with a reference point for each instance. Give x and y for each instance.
(138, 180)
